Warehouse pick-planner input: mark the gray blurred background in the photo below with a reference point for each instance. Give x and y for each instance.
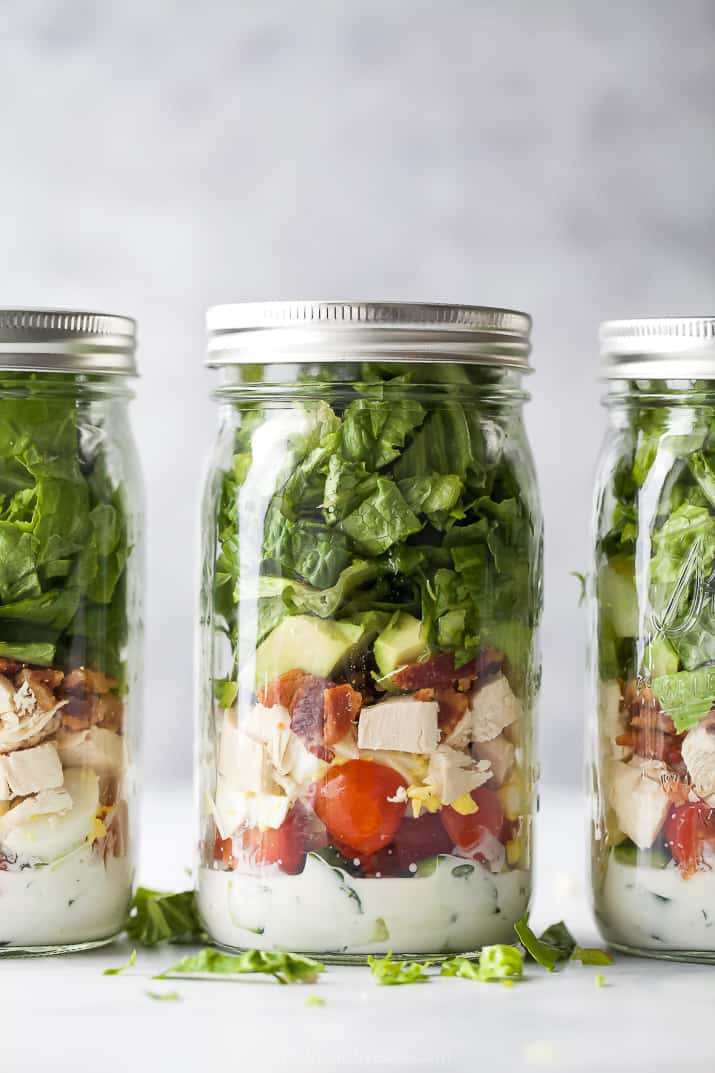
(557, 157)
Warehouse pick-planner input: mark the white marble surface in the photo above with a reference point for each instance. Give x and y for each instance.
(159, 156)
(61, 1014)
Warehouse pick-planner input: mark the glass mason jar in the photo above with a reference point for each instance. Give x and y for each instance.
(653, 757)
(370, 596)
(70, 626)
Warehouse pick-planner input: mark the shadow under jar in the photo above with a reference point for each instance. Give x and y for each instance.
(653, 758)
(70, 614)
(370, 595)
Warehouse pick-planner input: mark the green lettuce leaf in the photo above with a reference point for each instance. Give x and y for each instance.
(591, 955)
(285, 968)
(555, 945)
(381, 520)
(496, 963)
(374, 431)
(155, 917)
(389, 972)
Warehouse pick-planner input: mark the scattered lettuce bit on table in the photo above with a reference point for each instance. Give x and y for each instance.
(285, 968)
(164, 996)
(600, 979)
(557, 944)
(121, 968)
(387, 971)
(315, 1000)
(156, 916)
(496, 963)
(590, 955)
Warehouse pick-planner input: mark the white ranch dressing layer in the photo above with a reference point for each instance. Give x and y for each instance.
(325, 910)
(75, 900)
(656, 909)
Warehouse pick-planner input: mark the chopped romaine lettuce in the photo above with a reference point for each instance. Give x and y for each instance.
(496, 963)
(591, 955)
(285, 968)
(156, 917)
(383, 503)
(555, 945)
(387, 971)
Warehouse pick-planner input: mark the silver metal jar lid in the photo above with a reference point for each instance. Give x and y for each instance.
(278, 332)
(662, 348)
(67, 341)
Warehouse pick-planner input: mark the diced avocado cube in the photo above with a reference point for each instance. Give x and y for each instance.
(403, 641)
(303, 642)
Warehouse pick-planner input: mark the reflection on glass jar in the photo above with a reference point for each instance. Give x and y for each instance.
(654, 621)
(69, 628)
(371, 589)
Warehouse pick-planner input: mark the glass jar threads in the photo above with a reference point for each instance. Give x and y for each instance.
(70, 614)
(653, 762)
(370, 597)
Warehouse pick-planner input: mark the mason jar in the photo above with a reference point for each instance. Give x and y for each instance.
(70, 628)
(653, 757)
(370, 598)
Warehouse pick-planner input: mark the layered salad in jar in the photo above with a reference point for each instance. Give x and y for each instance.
(65, 874)
(366, 777)
(655, 822)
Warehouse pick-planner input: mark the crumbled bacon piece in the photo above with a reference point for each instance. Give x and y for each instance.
(425, 694)
(651, 719)
(440, 670)
(307, 708)
(85, 680)
(9, 667)
(281, 690)
(452, 708)
(109, 711)
(653, 745)
(80, 712)
(341, 707)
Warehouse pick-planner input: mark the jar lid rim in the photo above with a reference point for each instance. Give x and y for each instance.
(67, 341)
(338, 331)
(669, 347)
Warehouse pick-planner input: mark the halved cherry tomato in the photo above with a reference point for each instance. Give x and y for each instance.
(468, 831)
(352, 801)
(685, 830)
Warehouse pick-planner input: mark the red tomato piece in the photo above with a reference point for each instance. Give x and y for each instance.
(686, 829)
(468, 831)
(286, 845)
(352, 801)
(223, 851)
